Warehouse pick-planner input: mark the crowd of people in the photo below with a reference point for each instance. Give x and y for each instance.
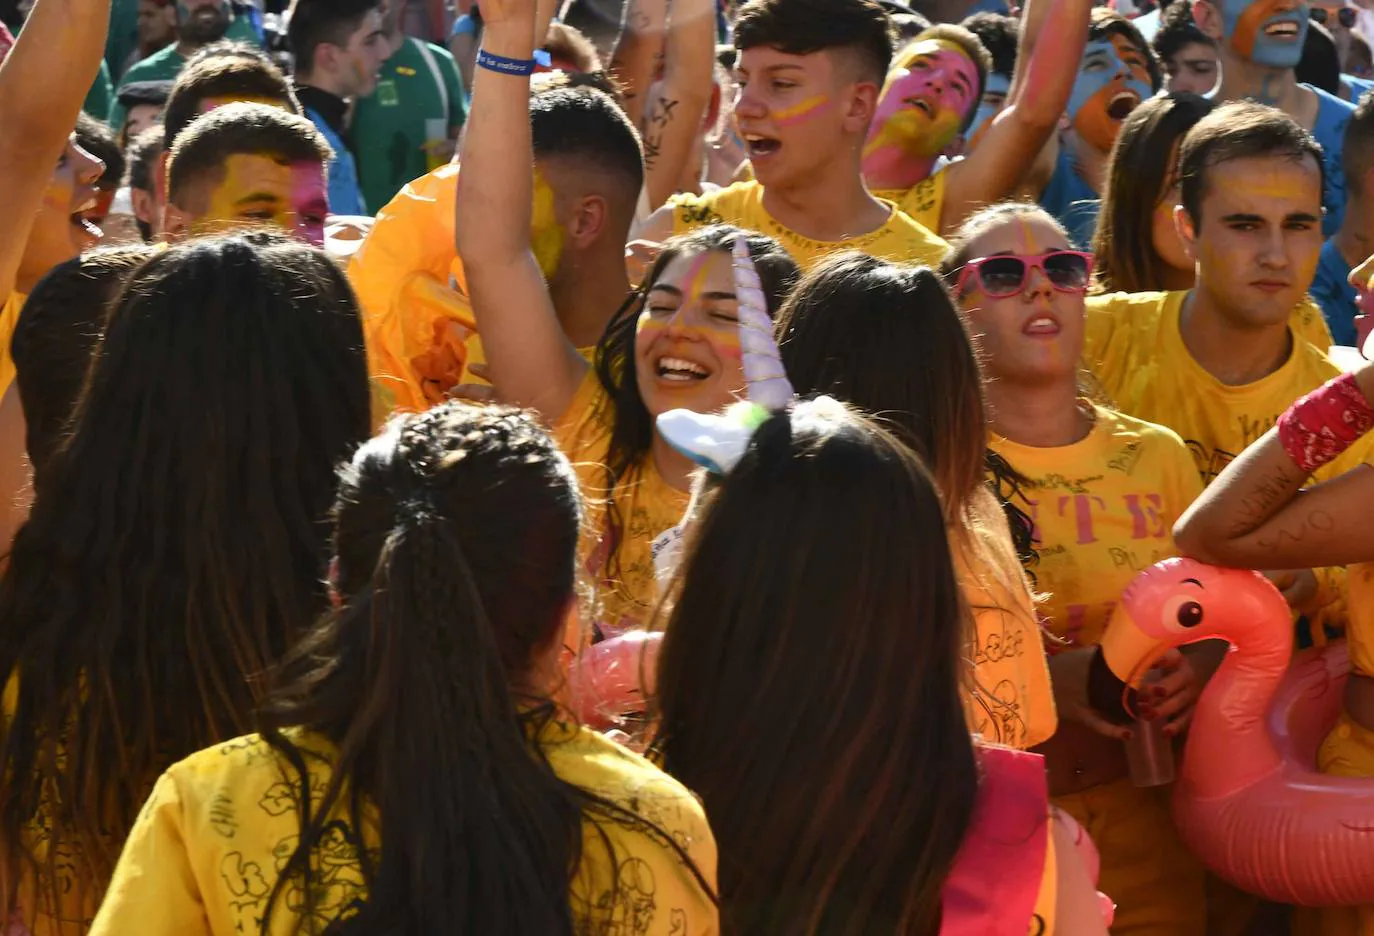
(371, 371)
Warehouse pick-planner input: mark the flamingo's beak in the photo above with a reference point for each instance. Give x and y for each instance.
(1127, 650)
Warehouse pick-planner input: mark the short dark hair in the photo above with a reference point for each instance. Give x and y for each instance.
(228, 47)
(1178, 29)
(140, 158)
(972, 47)
(1239, 130)
(137, 93)
(998, 34)
(1106, 23)
(1357, 153)
(801, 27)
(223, 76)
(316, 22)
(908, 26)
(1320, 65)
(142, 154)
(235, 129)
(96, 137)
(569, 44)
(584, 123)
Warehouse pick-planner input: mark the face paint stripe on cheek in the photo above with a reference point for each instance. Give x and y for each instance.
(806, 110)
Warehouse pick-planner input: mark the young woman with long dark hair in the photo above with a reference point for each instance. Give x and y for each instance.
(412, 776)
(176, 546)
(888, 339)
(809, 689)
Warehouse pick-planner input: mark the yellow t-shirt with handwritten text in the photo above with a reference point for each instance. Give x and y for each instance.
(1011, 701)
(900, 239)
(220, 825)
(923, 202)
(1134, 346)
(1104, 509)
(645, 506)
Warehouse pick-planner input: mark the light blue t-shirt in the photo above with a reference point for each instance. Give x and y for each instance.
(1335, 295)
(1333, 115)
(1070, 199)
(345, 195)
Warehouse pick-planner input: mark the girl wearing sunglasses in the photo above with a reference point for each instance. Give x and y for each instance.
(1104, 490)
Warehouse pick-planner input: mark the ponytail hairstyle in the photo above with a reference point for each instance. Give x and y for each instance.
(456, 535)
(632, 428)
(176, 546)
(823, 731)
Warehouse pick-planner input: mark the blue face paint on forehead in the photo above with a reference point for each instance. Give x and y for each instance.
(1100, 65)
(996, 83)
(1252, 44)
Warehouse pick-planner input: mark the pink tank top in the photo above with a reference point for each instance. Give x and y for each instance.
(997, 874)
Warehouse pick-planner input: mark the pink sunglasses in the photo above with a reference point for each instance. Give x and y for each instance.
(1005, 275)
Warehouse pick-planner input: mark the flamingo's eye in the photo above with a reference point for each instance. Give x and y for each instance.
(1189, 614)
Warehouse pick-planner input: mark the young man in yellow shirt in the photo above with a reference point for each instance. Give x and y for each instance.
(809, 74)
(1219, 363)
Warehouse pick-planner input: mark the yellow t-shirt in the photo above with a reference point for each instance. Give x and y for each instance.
(645, 503)
(1104, 508)
(9, 320)
(1011, 701)
(923, 202)
(1134, 346)
(900, 240)
(219, 827)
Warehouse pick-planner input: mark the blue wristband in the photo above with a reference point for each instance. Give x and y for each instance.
(503, 65)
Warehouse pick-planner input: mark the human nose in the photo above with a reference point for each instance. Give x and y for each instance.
(88, 167)
(748, 104)
(1036, 284)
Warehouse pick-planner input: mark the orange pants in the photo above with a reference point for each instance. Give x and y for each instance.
(1158, 885)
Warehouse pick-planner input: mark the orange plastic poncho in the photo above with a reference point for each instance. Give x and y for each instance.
(417, 320)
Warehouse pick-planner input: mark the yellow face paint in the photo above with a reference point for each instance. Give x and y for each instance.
(258, 189)
(546, 234)
(210, 103)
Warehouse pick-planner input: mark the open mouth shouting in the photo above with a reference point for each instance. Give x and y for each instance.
(920, 104)
(680, 370)
(1282, 29)
(760, 147)
(1121, 105)
(87, 233)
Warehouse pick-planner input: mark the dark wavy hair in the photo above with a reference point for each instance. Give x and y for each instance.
(632, 431)
(456, 535)
(176, 546)
(823, 731)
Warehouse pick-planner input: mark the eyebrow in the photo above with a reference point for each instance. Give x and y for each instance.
(674, 291)
(258, 197)
(1193, 581)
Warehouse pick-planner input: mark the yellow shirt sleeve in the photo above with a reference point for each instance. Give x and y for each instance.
(154, 890)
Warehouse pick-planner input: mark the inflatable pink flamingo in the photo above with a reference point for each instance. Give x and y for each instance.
(1247, 800)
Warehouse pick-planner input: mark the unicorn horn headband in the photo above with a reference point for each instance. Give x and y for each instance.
(717, 441)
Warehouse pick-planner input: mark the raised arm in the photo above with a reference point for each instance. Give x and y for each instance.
(672, 119)
(1257, 514)
(38, 108)
(643, 30)
(529, 359)
(1038, 97)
